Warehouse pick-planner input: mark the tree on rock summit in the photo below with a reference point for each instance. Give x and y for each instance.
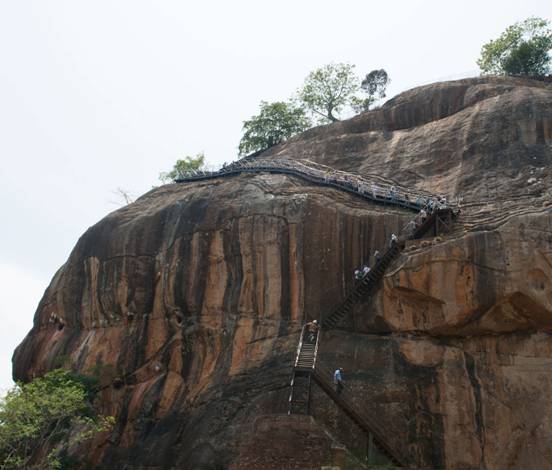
(375, 85)
(522, 49)
(328, 90)
(275, 123)
(335, 88)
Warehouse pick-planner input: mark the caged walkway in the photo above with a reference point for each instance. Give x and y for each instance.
(306, 368)
(373, 188)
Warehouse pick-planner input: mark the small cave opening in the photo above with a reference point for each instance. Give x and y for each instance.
(118, 383)
(60, 326)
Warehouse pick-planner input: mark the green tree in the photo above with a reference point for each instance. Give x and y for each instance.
(275, 123)
(375, 85)
(49, 414)
(182, 166)
(329, 89)
(522, 49)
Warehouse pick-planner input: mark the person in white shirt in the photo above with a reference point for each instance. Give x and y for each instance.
(338, 380)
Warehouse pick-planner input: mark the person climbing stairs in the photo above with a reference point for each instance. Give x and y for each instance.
(306, 369)
(305, 360)
(373, 431)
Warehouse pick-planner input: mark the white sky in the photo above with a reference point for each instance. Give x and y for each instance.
(96, 95)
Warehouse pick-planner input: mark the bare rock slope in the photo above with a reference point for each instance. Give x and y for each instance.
(189, 301)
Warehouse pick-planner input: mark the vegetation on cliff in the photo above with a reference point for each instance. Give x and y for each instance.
(275, 123)
(522, 49)
(42, 419)
(326, 93)
(333, 88)
(182, 166)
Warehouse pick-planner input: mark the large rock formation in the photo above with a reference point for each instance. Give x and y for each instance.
(189, 301)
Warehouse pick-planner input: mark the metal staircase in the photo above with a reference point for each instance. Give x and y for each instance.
(306, 356)
(305, 360)
(439, 218)
(306, 369)
(371, 281)
(374, 433)
(363, 288)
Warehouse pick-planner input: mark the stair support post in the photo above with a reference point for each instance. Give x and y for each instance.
(370, 450)
(309, 394)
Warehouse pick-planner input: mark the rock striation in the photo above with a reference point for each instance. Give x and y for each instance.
(188, 303)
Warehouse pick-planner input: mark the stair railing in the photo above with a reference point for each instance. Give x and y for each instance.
(369, 189)
(345, 402)
(362, 284)
(318, 334)
(300, 345)
(378, 190)
(326, 375)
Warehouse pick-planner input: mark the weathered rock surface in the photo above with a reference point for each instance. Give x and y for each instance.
(467, 137)
(190, 300)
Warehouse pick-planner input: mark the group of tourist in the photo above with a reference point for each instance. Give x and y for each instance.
(312, 327)
(426, 204)
(363, 271)
(358, 184)
(374, 190)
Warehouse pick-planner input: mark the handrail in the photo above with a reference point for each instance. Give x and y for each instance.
(360, 285)
(371, 189)
(300, 345)
(325, 372)
(367, 188)
(367, 424)
(373, 276)
(318, 335)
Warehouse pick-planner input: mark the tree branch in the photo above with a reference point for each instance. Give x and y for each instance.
(321, 114)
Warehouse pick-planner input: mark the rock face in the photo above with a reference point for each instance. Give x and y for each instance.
(466, 138)
(188, 302)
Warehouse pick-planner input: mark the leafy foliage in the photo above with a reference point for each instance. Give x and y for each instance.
(330, 89)
(181, 166)
(275, 123)
(522, 49)
(334, 88)
(50, 413)
(374, 84)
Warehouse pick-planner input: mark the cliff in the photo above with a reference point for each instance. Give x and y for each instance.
(190, 300)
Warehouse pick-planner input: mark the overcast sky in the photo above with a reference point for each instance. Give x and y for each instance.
(97, 95)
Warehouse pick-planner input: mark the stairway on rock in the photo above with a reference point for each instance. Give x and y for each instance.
(306, 356)
(369, 426)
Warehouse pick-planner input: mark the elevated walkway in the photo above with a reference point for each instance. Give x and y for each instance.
(376, 436)
(440, 218)
(306, 369)
(369, 188)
